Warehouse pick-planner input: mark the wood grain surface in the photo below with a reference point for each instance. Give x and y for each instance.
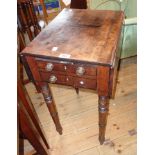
(80, 35)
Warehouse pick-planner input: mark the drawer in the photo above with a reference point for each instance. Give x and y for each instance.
(51, 66)
(85, 83)
(69, 68)
(68, 80)
(56, 78)
(87, 70)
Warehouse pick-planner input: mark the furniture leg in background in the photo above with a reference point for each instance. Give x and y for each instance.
(29, 125)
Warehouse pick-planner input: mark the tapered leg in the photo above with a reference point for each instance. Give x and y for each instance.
(77, 90)
(103, 112)
(51, 106)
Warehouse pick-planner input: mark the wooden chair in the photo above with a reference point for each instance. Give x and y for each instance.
(27, 28)
(41, 2)
(78, 4)
(26, 18)
(29, 124)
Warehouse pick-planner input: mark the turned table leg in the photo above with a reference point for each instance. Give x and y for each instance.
(77, 90)
(51, 106)
(103, 112)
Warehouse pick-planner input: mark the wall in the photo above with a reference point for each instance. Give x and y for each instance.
(129, 47)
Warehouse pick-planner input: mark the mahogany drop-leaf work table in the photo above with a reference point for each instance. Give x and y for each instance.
(79, 48)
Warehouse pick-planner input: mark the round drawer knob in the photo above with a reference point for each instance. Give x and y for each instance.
(80, 71)
(81, 82)
(52, 79)
(49, 67)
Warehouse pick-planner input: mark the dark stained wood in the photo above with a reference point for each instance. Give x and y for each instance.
(45, 75)
(77, 90)
(115, 66)
(61, 79)
(29, 124)
(78, 4)
(42, 85)
(30, 132)
(51, 105)
(85, 83)
(103, 105)
(68, 68)
(20, 40)
(82, 49)
(103, 74)
(26, 18)
(20, 47)
(88, 36)
(21, 146)
(113, 79)
(29, 74)
(23, 95)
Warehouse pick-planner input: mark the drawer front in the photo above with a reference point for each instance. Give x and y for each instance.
(68, 80)
(69, 69)
(58, 79)
(88, 70)
(85, 83)
(42, 65)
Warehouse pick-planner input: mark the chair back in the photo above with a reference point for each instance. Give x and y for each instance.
(26, 18)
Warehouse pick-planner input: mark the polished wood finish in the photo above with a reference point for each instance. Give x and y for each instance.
(82, 46)
(44, 89)
(51, 106)
(26, 21)
(68, 68)
(26, 18)
(29, 124)
(103, 109)
(88, 36)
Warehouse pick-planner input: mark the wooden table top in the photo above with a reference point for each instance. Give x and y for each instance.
(80, 35)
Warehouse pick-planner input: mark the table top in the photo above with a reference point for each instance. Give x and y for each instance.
(79, 35)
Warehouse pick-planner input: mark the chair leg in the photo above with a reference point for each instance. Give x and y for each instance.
(31, 133)
(22, 93)
(21, 146)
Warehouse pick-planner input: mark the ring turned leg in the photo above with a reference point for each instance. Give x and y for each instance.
(51, 106)
(103, 112)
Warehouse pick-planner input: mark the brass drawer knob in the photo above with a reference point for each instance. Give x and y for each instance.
(80, 71)
(49, 67)
(52, 79)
